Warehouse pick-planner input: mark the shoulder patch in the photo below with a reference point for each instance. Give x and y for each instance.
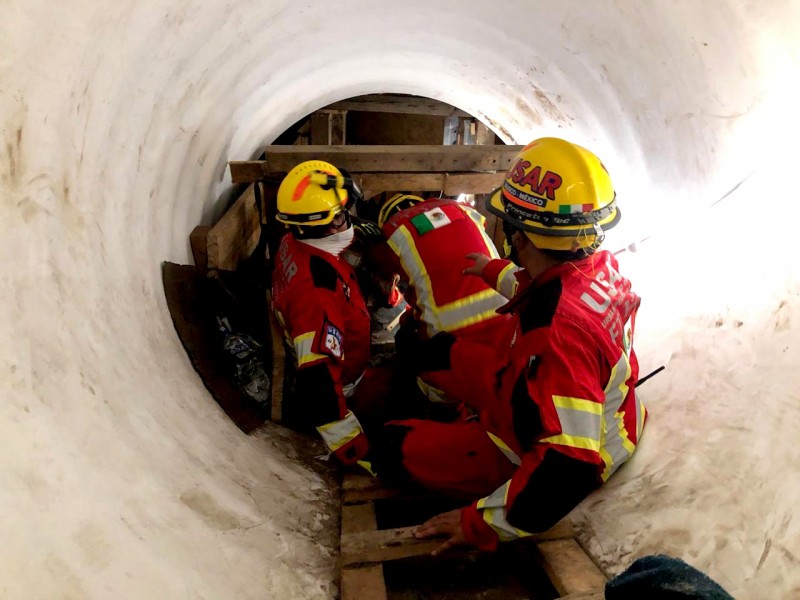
(331, 340)
(541, 307)
(434, 218)
(323, 273)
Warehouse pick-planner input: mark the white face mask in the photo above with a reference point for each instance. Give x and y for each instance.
(333, 244)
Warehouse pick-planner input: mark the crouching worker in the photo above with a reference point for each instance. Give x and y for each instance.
(319, 305)
(563, 414)
(427, 242)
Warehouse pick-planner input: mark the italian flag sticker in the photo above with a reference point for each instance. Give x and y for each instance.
(430, 220)
(571, 209)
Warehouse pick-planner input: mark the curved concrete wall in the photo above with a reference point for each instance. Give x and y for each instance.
(122, 478)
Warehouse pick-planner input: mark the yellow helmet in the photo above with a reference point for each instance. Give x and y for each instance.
(559, 194)
(394, 205)
(311, 194)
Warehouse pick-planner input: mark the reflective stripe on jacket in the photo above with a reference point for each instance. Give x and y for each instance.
(567, 386)
(431, 241)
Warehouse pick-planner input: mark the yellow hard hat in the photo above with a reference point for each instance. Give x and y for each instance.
(395, 204)
(559, 194)
(311, 194)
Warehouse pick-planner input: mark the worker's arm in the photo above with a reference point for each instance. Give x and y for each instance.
(316, 328)
(502, 275)
(386, 270)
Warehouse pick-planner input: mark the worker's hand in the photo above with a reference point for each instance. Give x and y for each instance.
(481, 260)
(367, 230)
(449, 524)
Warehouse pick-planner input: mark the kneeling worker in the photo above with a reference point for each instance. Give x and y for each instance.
(562, 415)
(427, 244)
(319, 305)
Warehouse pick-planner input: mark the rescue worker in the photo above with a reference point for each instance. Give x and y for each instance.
(560, 413)
(427, 245)
(319, 305)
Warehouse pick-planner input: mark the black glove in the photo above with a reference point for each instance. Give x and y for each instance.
(367, 231)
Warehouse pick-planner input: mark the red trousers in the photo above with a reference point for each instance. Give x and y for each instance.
(457, 459)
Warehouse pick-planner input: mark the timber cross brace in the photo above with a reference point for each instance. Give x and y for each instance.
(449, 169)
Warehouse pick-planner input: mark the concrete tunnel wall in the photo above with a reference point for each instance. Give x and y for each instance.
(120, 475)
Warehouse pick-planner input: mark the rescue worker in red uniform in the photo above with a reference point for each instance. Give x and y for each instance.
(427, 245)
(559, 413)
(319, 305)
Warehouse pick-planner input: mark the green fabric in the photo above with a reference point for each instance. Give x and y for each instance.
(422, 224)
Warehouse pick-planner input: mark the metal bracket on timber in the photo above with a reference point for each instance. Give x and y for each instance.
(365, 548)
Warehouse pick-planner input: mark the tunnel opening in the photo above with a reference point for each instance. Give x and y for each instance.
(236, 253)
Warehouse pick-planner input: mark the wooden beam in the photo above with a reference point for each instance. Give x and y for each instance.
(278, 365)
(398, 104)
(451, 184)
(328, 128)
(364, 583)
(372, 547)
(373, 184)
(483, 135)
(235, 235)
(569, 568)
(248, 171)
(361, 488)
(402, 159)
(198, 240)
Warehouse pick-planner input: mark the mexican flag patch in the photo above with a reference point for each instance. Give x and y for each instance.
(572, 209)
(430, 220)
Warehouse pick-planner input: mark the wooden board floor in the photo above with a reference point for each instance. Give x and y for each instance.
(388, 563)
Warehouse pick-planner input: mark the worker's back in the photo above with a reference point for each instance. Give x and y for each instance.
(431, 241)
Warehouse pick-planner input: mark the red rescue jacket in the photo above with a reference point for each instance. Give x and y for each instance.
(560, 399)
(429, 242)
(319, 305)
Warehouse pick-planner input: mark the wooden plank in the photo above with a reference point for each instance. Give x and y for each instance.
(590, 596)
(249, 171)
(378, 159)
(483, 135)
(338, 128)
(372, 547)
(451, 184)
(359, 518)
(235, 235)
(198, 240)
(370, 494)
(366, 583)
(362, 488)
(278, 365)
(569, 568)
(320, 128)
(398, 104)
(328, 127)
(394, 544)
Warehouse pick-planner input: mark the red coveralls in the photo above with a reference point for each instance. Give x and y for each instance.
(318, 303)
(427, 246)
(559, 413)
